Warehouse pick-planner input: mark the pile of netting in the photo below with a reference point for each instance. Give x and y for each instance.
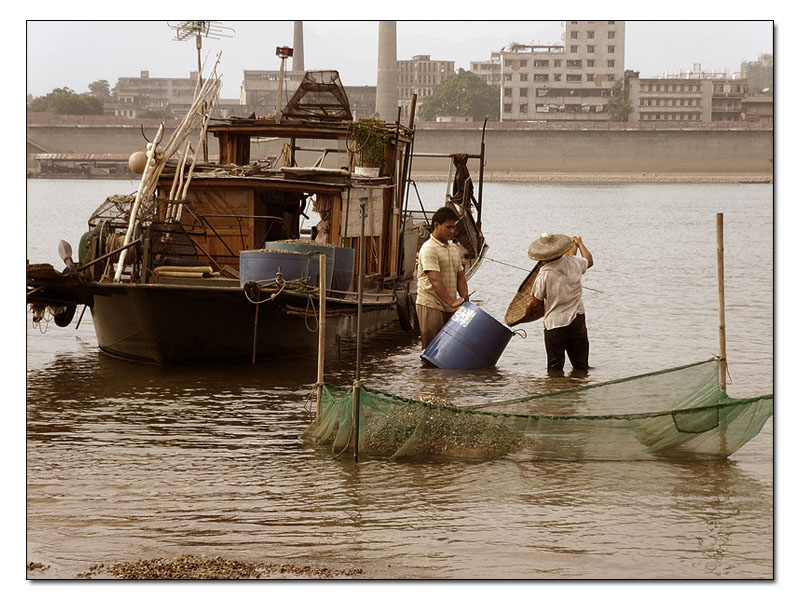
(676, 413)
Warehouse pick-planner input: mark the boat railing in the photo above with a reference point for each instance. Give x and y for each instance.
(204, 220)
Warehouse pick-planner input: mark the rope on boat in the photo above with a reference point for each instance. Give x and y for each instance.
(254, 287)
(41, 315)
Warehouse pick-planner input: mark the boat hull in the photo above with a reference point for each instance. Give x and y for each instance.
(176, 324)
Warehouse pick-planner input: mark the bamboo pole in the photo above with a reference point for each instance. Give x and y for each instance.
(150, 168)
(322, 329)
(255, 324)
(357, 382)
(723, 357)
(176, 180)
(155, 165)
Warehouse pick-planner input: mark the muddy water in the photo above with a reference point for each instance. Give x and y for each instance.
(127, 461)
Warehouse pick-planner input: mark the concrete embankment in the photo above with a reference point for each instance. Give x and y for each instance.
(605, 178)
(615, 149)
(532, 152)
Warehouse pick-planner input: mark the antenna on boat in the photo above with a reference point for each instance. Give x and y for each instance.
(212, 30)
(200, 29)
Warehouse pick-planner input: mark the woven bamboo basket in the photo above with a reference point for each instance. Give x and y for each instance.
(515, 314)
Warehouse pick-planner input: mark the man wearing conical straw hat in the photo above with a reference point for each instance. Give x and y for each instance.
(558, 287)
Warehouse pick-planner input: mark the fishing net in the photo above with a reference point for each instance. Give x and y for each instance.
(320, 96)
(676, 413)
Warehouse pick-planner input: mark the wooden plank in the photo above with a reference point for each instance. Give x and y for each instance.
(351, 221)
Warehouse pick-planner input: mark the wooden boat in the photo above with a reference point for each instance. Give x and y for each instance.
(162, 270)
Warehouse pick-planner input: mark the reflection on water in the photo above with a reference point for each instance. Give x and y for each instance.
(129, 461)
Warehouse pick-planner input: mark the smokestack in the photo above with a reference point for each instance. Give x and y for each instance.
(297, 58)
(386, 99)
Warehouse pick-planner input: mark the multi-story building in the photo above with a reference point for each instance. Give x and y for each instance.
(420, 76)
(758, 109)
(137, 95)
(759, 74)
(686, 99)
(259, 89)
(362, 100)
(569, 82)
(488, 70)
(726, 99)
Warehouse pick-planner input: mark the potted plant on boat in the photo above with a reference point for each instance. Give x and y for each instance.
(366, 142)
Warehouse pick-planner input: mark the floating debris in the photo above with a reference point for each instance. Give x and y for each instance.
(187, 566)
(37, 566)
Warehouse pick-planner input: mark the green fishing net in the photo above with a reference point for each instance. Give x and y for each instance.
(678, 413)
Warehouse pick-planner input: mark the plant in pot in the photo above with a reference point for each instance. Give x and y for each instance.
(366, 142)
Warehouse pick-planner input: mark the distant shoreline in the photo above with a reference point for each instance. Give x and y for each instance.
(606, 178)
(557, 178)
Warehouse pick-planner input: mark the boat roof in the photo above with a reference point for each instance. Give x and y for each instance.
(295, 128)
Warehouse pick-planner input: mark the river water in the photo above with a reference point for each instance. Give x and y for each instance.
(127, 461)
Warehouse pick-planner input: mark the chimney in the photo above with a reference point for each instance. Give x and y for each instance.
(386, 96)
(297, 58)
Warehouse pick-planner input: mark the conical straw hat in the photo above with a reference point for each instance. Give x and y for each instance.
(550, 246)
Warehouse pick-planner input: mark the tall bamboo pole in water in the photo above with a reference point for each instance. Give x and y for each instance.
(322, 327)
(357, 382)
(723, 356)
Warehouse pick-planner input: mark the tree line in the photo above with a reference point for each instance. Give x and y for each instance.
(463, 94)
(65, 101)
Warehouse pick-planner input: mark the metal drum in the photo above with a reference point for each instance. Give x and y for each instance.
(344, 260)
(260, 265)
(471, 339)
(312, 251)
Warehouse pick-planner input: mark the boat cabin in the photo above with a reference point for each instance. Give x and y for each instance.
(269, 177)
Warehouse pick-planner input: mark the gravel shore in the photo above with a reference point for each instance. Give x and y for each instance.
(187, 566)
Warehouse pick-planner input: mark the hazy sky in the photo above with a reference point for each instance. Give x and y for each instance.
(77, 53)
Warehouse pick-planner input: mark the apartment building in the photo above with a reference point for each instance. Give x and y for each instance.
(686, 99)
(568, 82)
(259, 89)
(758, 109)
(759, 74)
(488, 70)
(420, 76)
(137, 95)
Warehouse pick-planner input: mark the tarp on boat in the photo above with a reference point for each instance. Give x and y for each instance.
(680, 413)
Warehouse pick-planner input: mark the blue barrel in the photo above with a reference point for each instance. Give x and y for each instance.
(313, 251)
(258, 265)
(344, 261)
(471, 339)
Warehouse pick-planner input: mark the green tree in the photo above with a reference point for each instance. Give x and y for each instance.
(465, 93)
(100, 89)
(64, 101)
(619, 103)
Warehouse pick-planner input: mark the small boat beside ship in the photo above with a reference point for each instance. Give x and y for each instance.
(220, 260)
